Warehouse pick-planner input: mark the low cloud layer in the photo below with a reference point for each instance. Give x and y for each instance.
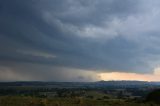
(36, 72)
(78, 35)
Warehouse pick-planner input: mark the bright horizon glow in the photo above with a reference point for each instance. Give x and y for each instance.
(128, 76)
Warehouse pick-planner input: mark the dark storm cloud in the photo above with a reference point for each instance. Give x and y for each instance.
(106, 35)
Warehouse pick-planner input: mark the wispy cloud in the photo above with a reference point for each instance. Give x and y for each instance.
(38, 54)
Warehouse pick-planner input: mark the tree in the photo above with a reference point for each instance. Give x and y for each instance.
(154, 96)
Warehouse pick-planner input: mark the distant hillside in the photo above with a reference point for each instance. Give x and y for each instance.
(120, 84)
(128, 84)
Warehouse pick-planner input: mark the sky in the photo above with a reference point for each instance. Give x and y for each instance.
(79, 40)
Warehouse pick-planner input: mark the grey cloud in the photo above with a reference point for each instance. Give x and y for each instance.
(36, 72)
(90, 35)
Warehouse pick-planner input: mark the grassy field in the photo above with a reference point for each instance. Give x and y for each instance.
(25, 94)
(76, 101)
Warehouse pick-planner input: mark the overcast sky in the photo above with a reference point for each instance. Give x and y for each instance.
(79, 40)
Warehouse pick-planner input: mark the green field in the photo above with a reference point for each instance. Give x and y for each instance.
(76, 101)
(27, 95)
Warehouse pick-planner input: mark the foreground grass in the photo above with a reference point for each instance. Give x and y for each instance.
(35, 101)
